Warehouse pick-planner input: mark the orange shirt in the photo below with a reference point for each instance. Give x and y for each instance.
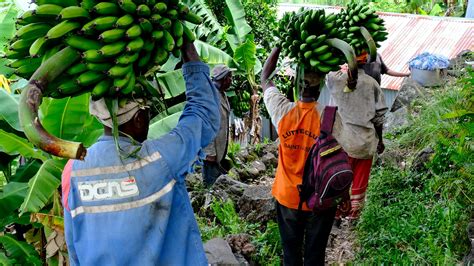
(298, 128)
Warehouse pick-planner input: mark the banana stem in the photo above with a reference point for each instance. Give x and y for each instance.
(30, 101)
(370, 43)
(349, 53)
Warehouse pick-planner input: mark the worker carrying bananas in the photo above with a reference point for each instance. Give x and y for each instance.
(359, 129)
(298, 127)
(215, 163)
(134, 209)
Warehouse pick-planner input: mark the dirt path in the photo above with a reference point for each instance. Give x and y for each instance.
(340, 249)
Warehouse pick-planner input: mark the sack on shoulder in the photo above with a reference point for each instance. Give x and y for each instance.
(327, 174)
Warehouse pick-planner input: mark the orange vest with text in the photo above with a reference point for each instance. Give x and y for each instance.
(297, 131)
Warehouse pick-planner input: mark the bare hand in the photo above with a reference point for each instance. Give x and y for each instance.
(380, 147)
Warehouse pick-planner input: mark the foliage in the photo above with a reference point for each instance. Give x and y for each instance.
(232, 149)
(225, 221)
(419, 215)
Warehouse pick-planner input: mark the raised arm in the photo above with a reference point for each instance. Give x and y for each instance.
(199, 121)
(268, 68)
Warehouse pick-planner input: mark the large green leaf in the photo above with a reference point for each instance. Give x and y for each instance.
(13, 144)
(211, 29)
(26, 171)
(20, 251)
(172, 82)
(9, 109)
(69, 119)
(246, 55)
(169, 111)
(13, 195)
(212, 55)
(5, 261)
(235, 14)
(163, 126)
(42, 186)
(7, 24)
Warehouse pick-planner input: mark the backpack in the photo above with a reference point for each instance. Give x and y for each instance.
(327, 173)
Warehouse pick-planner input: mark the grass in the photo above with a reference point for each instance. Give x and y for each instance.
(420, 216)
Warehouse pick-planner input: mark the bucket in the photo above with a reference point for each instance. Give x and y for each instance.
(428, 78)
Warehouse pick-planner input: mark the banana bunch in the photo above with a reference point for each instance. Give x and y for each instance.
(303, 36)
(119, 42)
(350, 20)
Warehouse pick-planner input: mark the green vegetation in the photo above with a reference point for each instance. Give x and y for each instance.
(418, 214)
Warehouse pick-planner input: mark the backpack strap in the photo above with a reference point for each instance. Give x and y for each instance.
(328, 119)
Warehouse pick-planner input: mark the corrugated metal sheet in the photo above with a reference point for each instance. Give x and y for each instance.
(410, 35)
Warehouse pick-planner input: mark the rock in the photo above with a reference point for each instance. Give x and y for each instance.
(241, 244)
(194, 181)
(422, 158)
(395, 120)
(218, 252)
(241, 259)
(259, 166)
(269, 159)
(242, 155)
(271, 148)
(257, 204)
(227, 188)
(409, 90)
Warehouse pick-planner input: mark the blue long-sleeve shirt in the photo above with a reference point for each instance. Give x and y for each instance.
(137, 211)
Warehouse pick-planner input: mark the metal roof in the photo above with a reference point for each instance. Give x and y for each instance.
(410, 35)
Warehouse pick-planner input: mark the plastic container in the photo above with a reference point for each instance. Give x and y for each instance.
(428, 78)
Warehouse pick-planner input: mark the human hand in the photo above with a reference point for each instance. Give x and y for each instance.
(188, 52)
(380, 147)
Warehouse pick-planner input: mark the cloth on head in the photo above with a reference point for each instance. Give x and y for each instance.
(124, 114)
(221, 71)
(362, 58)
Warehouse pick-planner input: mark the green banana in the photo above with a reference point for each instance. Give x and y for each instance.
(172, 14)
(99, 67)
(63, 3)
(48, 10)
(124, 21)
(82, 44)
(188, 34)
(101, 88)
(126, 59)
(145, 25)
(90, 77)
(157, 34)
(24, 61)
(149, 45)
(38, 47)
(77, 69)
(106, 9)
(183, 9)
(133, 32)
(168, 41)
(121, 82)
(144, 59)
(128, 6)
(119, 71)
(155, 19)
(179, 43)
(177, 29)
(193, 18)
(321, 50)
(165, 23)
(160, 8)
(69, 87)
(104, 23)
(130, 85)
(143, 11)
(135, 45)
(29, 17)
(10, 54)
(161, 56)
(62, 29)
(73, 12)
(112, 49)
(32, 31)
(112, 35)
(93, 56)
(21, 44)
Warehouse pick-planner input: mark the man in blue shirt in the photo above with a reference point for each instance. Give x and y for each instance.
(131, 207)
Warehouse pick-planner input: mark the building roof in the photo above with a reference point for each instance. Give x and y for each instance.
(410, 35)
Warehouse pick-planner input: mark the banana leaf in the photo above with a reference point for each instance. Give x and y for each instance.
(13, 195)
(163, 126)
(235, 14)
(42, 186)
(9, 109)
(13, 144)
(20, 251)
